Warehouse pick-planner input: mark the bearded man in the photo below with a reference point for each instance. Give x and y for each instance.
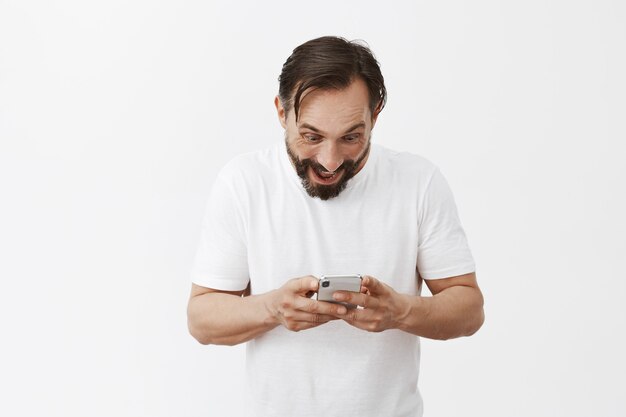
(329, 201)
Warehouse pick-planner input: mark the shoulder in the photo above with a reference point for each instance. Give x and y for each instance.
(404, 167)
(251, 162)
(250, 167)
(243, 177)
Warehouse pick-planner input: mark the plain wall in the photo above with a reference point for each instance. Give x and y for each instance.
(116, 116)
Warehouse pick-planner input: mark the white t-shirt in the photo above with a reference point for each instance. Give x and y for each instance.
(395, 219)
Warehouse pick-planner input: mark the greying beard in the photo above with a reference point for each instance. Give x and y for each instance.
(321, 191)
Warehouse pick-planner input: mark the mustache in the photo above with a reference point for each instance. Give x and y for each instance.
(320, 168)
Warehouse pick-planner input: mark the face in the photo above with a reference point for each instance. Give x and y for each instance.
(330, 142)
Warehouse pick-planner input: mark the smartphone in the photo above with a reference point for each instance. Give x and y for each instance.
(331, 283)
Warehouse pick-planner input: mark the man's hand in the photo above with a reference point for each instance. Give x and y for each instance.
(291, 306)
(383, 308)
(454, 310)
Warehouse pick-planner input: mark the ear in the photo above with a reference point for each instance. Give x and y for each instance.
(282, 116)
(375, 116)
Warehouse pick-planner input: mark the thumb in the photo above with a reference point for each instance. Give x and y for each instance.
(304, 285)
(372, 285)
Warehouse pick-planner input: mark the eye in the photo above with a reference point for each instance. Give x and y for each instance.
(352, 138)
(309, 137)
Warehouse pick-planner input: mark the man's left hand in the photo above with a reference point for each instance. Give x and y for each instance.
(382, 307)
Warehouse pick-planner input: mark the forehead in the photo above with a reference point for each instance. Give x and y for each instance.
(332, 107)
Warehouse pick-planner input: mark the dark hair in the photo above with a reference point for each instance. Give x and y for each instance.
(330, 62)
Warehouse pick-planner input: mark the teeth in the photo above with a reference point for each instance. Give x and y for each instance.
(326, 175)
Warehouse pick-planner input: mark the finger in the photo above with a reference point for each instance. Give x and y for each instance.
(303, 285)
(296, 326)
(372, 285)
(363, 319)
(353, 317)
(359, 299)
(305, 325)
(301, 316)
(320, 307)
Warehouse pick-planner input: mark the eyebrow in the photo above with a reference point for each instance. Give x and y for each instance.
(316, 130)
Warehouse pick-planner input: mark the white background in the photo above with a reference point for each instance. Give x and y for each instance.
(115, 117)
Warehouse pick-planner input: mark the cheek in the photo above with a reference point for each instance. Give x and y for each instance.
(305, 152)
(355, 154)
(301, 150)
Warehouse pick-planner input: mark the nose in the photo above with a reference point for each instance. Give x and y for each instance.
(329, 156)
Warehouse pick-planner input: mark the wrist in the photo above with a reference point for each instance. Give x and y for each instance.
(408, 307)
(268, 309)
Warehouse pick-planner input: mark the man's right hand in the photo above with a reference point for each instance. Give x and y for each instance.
(290, 306)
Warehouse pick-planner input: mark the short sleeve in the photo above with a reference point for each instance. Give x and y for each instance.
(221, 259)
(443, 250)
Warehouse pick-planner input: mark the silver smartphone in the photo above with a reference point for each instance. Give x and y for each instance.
(331, 283)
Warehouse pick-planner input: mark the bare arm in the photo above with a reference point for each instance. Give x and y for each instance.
(454, 310)
(226, 317)
(231, 317)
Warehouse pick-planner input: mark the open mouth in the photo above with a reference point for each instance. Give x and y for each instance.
(326, 178)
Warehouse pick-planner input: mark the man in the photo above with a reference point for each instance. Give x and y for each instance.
(328, 201)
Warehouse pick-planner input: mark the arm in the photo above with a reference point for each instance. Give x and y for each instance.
(454, 310)
(231, 317)
(225, 317)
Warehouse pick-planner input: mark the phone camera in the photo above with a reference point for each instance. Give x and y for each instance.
(325, 284)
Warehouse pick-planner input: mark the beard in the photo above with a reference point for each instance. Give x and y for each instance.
(325, 192)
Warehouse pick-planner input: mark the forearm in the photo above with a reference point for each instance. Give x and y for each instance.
(455, 312)
(224, 319)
